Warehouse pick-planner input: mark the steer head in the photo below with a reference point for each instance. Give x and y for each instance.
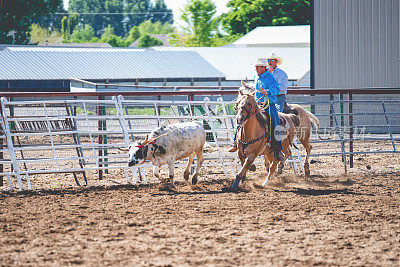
(137, 152)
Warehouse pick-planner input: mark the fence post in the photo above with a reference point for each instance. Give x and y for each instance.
(389, 127)
(100, 128)
(351, 129)
(214, 134)
(104, 125)
(1, 152)
(341, 138)
(10, 146)
(330, 111)
(341, 117)
(158, 110)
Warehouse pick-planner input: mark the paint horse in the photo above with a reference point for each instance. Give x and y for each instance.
(254, 135)
(303, 132)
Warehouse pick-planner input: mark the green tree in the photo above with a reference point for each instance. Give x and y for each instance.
(17, 16)
(141, 8)
(39, 34)
(73, 21)
(52, 20)
(148, 41)
(245, 15)
(201, 26)
(133, 35)
(83, 34)
(115, 20)
(89, 6)
(126, 13)
(112, 39)
(160, 12)
(68, 24)
(220, 40)
(147, 27)
(65, 28)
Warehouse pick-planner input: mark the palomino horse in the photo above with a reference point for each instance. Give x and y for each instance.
(303, 133)
(254, 135)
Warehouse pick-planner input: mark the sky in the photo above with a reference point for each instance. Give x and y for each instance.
(176, 5)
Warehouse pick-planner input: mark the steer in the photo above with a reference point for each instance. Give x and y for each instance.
(167, 144)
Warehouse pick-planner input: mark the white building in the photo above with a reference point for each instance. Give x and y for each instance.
(292, 43)
(276, 36)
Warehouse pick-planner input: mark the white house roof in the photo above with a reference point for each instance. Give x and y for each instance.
(276, 35)
(236, 62)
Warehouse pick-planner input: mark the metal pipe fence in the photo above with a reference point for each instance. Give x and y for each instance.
(77, 136)
(81, 132)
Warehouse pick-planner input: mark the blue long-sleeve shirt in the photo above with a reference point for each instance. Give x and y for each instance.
(268, 82)
(282, 79)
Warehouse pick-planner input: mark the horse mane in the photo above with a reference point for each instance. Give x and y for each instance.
(261, 118)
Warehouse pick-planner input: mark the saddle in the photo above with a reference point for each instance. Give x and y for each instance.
(282, 121)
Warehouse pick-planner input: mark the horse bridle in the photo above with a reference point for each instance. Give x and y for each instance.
(245, 144)
(248, 115)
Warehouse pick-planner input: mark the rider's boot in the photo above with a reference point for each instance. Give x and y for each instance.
(233, 148)
(278, 154)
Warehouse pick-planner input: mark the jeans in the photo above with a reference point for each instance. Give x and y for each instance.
(273, 113)
(280, 102)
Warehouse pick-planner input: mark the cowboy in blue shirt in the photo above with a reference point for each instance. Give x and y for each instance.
(267, 87)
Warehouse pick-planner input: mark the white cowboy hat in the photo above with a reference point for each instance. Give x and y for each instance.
(261, 62)
(273, 55)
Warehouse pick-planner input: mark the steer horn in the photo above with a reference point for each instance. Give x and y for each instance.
(145, 141)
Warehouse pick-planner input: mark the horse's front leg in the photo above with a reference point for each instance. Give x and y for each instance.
(242, 173)
(271, 171)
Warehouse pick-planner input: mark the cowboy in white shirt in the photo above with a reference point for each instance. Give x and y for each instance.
(281, 77)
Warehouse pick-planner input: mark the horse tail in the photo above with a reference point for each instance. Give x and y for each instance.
(315, 121)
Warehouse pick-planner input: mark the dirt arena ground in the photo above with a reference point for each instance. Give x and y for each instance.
(328, 219)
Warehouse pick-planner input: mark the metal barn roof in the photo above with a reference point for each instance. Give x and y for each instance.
(236, 62)
(52, 65)
(276, 35)
(70, 49)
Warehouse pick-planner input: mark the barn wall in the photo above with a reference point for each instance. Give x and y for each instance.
(355, 43)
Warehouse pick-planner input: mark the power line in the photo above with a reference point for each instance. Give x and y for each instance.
(117, 13)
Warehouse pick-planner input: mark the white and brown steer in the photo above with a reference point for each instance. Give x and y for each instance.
(168, 144)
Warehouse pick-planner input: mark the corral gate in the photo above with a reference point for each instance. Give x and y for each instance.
(79, 136)
(82, 136)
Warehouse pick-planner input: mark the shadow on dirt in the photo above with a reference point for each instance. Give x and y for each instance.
(74, 190)
(155, 189)
(320, 192)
